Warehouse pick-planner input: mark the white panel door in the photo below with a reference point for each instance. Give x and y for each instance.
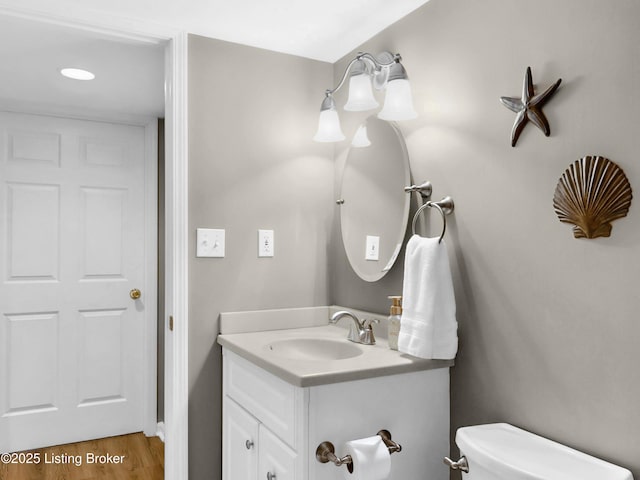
(72, 240)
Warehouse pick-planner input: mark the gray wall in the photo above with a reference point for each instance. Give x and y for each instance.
(252, 165)
(548, 324)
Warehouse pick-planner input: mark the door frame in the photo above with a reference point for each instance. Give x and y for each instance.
(176, 393)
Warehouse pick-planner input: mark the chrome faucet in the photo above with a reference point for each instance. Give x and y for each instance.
(359, 332)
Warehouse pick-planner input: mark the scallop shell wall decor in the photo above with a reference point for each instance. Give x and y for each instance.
(591, 194)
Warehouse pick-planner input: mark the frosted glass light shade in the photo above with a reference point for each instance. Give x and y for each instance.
(329, 127)
(398, 102)
(360, 94)
(360, 139)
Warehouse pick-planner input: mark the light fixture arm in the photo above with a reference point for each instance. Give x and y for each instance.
(377, 65)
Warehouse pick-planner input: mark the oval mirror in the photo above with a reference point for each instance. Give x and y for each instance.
(374, 208)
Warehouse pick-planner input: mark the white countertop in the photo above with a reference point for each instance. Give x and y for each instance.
(373, 361)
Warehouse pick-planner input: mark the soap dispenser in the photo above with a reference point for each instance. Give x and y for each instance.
(394, 321)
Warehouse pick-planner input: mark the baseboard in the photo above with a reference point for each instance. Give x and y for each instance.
(160, 431)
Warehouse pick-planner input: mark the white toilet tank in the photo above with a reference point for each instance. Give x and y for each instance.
(500, 451)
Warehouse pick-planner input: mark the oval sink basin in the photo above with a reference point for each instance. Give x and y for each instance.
(314, 349)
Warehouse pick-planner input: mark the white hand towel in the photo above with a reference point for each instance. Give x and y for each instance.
(428, 328)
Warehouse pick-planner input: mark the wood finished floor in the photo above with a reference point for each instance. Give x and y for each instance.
(143, 460)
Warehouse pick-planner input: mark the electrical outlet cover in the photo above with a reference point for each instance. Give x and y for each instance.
(265, 243)
(373, 248)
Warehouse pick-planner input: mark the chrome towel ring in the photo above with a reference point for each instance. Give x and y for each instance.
(444, 206)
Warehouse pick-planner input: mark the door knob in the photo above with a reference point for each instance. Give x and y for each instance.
(135, 294)
(271, 476)
(248, 444)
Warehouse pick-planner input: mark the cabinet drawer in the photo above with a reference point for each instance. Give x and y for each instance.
(274, 402)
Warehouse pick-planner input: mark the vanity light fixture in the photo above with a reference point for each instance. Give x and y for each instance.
(77, 74)
(386, 73)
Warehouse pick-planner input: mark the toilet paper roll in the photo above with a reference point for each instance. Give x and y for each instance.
(371, 459)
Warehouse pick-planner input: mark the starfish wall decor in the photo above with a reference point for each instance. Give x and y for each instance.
(529, 107)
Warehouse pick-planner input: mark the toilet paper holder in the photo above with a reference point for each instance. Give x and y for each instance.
(326, 452)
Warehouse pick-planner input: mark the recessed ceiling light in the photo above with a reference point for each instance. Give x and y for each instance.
(77, 74)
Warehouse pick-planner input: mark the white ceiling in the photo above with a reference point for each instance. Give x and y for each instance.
(129, 74)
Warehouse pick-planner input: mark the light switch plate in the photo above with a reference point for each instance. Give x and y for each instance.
(373, 248)
(265, 243)
(210, 242)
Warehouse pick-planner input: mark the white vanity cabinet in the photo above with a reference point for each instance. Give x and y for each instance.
(261, 423)
(271, 427)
